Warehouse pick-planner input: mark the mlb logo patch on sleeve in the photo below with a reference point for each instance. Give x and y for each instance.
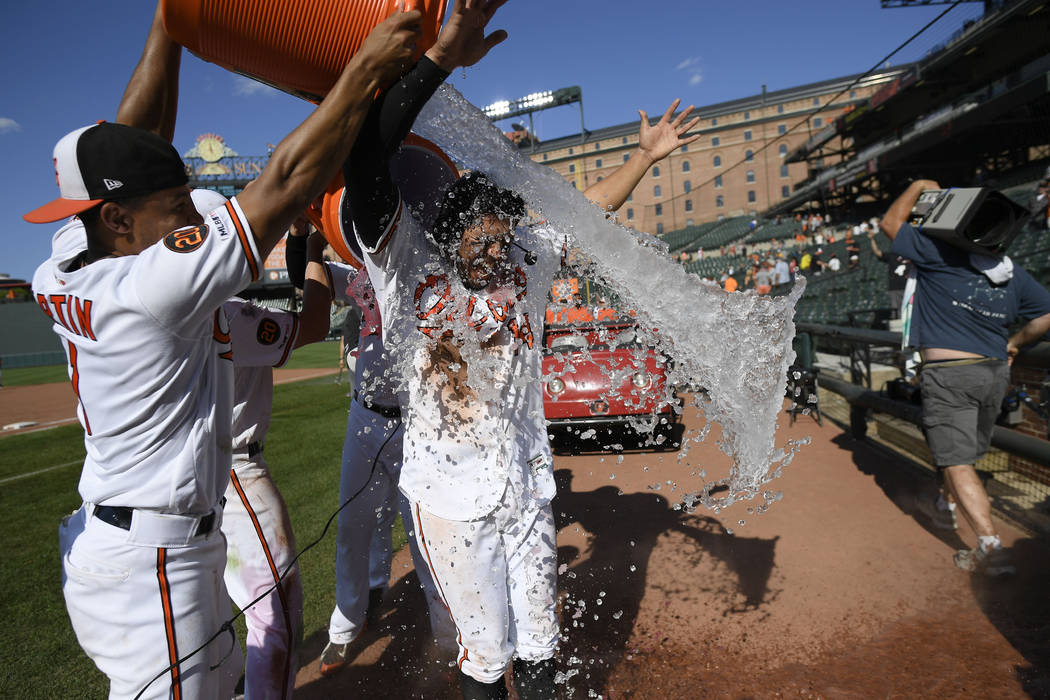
(186, 240)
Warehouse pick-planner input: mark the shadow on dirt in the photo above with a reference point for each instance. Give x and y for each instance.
(1018, 606)
(906, 487)
(409, 665)
(602, 591)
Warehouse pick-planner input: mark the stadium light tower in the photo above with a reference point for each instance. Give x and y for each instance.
(534, 102)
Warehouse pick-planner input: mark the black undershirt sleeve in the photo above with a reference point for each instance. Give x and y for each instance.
(371, 193)
(295, 259)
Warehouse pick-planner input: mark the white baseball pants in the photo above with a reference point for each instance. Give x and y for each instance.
(259, 547)
(498, 578)
(138, 604)
(364, 548)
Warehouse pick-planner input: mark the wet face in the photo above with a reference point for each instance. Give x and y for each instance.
(482, 255)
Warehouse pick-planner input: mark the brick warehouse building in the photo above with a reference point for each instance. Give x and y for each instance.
(699, 183)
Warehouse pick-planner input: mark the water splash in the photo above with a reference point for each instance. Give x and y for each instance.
(737, 346)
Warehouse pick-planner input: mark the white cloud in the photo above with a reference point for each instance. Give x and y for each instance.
(691, 66)
(8, 125)
(246, 87)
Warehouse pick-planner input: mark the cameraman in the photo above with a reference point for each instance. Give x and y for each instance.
(960, 324)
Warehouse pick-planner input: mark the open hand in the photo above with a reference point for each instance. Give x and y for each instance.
(659, 140)
(389, 47)
(463, 41)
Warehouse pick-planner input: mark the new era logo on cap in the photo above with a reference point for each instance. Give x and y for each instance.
(103, 160)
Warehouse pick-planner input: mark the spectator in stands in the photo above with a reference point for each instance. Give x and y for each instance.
(793, 266)
(965, 306)
(781, 271)
(729, 282)
(764, 277)
(898, 269)
(806, 262)
(853, 254)
(834, 264)
(818, 264)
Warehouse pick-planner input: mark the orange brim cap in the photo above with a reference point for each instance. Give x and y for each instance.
(59, 209)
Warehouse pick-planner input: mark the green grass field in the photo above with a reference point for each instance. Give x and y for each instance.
(315, 356)
(42, 657)
(25, 376)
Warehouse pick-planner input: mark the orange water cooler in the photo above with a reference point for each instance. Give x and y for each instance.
(301, 47)
(298, 46)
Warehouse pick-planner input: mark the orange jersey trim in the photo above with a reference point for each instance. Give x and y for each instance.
(273, 571)
(169, 623)
(253, 265)
(291, 340)
(437, 582)
(75, 381)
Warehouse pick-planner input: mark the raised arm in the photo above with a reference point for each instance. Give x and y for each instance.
(655, 142)
(898, 212)
(373, 197)
(317, 297)
(151, 98)
(307, 159)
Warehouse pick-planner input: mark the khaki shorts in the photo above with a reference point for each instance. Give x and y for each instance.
(960, 404)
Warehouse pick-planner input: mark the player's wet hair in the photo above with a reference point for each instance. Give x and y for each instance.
(465, 202)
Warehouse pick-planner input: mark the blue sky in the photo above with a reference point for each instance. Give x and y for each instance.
(65, 64)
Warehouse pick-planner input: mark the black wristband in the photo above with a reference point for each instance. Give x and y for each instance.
(295, 259)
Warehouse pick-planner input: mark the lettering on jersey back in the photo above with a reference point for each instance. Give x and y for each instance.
(70, 312)
(268, 332)
(186, 240)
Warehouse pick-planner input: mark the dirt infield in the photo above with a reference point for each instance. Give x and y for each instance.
(49, 405)
(840, 591)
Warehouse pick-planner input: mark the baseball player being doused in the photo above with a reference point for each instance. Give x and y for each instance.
(463, 307)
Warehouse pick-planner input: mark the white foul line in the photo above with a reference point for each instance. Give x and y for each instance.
(40, 471)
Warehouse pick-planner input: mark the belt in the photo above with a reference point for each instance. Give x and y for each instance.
(121, 516)
(251, 449)
(385, 411)
(954, 362)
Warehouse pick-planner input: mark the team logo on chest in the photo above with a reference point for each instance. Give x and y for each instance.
(186, 240)
(269, 332)
(437, 308)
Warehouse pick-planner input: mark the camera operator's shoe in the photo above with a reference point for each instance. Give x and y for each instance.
(994, 563)
(943, 519)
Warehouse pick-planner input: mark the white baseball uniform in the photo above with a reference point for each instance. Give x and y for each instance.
(150, 361)
(373, 435)
(477, 463)
(260, 545)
